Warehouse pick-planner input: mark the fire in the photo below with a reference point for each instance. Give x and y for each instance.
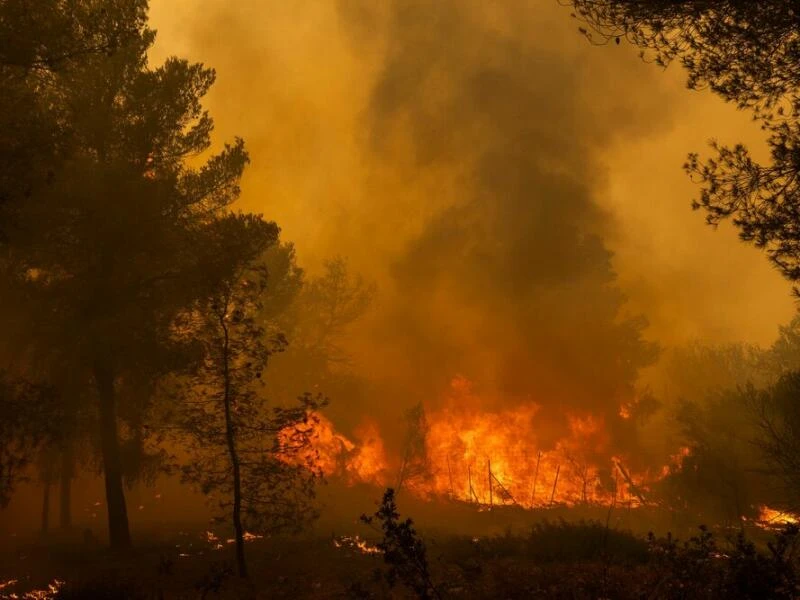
(46, 594)
(359, 461)
(769, 517)
(675, 464)
(368, 462)
(354, 542)
(495, 458)
(487, 457)
(246, 536)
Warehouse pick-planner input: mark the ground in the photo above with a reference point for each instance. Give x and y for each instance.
(547, 559)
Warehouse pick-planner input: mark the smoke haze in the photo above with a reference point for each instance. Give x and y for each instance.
(515, 192)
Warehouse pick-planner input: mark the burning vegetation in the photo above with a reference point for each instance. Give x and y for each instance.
(487, 365)
(466, 454)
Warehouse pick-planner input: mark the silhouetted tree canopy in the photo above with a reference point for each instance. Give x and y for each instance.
(110, 243)
(749, 54)
(239, 447)
(745, 51)
(37, 40)
(778, 420)
(29, 417)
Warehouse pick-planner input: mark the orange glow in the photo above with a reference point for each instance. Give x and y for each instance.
(368, 460)
(490, 458)
(356, 543)
(675, 464)
(49, 593)
(362, 461)
(770, 517)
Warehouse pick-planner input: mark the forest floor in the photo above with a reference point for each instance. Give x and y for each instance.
(554, 559)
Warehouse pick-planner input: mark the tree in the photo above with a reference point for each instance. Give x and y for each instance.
(749, 54)
(38, 39)
(746, 52)
(111, 251)
(324, 310)
(415, 453)
(317, 314)
(697, 370)
(403, 549)
(45, 34)
(778, 420)
(720, 475)
(240, 450)
(28, 416)
(784, 354)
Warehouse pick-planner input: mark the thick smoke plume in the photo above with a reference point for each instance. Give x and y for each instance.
(510, 283)
(457, 152)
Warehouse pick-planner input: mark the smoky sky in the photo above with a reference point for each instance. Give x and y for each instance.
(493, 173)
(511, 284)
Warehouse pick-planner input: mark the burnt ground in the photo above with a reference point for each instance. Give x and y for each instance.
(550, 558)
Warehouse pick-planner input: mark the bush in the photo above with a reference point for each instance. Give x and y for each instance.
(698, 568)
(557, 541)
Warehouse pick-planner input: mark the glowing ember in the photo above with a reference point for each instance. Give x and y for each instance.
(212, 539)
(46, 594)
(356, 543)
(248, 537)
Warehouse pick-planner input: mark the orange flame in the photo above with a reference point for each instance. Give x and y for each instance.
(770, 517)
(490, 457)
(354, 542)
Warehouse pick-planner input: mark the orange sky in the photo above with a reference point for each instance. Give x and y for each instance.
(295, 79)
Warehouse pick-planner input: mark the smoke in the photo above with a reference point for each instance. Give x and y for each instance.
(510, 282)
(463, 154)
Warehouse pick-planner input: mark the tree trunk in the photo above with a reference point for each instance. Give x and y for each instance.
(241, 564)
(118, 532)
(230, 435)
(46, 506)
(65, 491)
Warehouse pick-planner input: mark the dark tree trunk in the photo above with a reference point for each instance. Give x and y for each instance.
(241, 564)
(46, 506)
(118, 532)
(230, 435)
(65, 488)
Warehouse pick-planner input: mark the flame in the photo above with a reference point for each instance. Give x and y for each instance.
(368, 462)
(354, 542)
(770, 517)
(675, 464)
(246, 536)
(360, 461)
(489, 457)
(48, 593)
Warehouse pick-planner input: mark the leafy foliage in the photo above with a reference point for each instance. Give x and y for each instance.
(239, 450)
(28, 419)
(699, 568)
(778, 421)
(748, 53)
(403, 550)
